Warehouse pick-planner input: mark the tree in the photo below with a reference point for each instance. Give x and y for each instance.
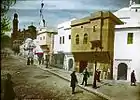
(5, 5)
(5, 22)
(5, 25)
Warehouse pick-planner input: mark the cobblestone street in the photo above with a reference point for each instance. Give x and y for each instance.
(33, 83)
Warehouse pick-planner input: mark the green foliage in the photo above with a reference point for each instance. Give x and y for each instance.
(5, 22)
(5, 5)
(5, 25)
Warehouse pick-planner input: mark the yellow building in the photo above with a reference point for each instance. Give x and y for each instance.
(93, 40)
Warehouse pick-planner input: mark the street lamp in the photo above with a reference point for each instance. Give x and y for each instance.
(95, 74)
(97, 44)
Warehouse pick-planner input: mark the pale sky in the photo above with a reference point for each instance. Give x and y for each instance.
(58, 11)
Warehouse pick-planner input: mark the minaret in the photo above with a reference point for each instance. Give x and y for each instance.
(15, 23)
(42, 21)
(15, 27)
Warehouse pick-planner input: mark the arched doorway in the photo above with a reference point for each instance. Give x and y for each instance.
(122, 71)
(70, 64)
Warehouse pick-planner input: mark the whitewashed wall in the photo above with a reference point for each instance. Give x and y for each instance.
(63, 30)
(123, 52)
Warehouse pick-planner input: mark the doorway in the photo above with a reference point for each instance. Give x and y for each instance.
(122, 71)
(70, 64)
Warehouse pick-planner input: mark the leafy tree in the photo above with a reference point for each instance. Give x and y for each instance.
(5, 25)
(5, 22)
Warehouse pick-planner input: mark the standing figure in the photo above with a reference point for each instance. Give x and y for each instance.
(9, 93)
(73, 81)
(28, 61)
(133, 78)
(39, 60)
(85, 77)
(40, 56)
(31, 56)
(98, 75)
(42, 61)
(32, 61)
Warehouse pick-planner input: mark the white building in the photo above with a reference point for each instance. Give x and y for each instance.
(62, 46)
(127, 43)
(45, 38)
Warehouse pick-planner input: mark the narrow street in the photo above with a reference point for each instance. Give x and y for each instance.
(33, 83)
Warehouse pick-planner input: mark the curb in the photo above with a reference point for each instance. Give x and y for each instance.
(105, 97)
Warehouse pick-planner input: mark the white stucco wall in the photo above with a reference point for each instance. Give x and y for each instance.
(123, 52)
(64, 29)
(43, 36)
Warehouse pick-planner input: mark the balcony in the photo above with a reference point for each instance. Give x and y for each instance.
(96, 44)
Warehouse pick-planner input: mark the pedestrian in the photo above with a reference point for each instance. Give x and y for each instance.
(42, 61)
(39, 60)
(40, 56)
(28, 61)
(32, 61)
(133, 78)
(85, 77)
(9, 93)
(47, 62)
(73, 81)
(98, 75)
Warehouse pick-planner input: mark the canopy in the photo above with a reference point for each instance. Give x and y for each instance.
(38, 50)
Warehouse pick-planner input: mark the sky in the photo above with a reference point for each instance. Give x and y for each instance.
(58, 11)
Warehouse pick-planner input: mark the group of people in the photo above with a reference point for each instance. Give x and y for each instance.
(30, 59)
(86, 75)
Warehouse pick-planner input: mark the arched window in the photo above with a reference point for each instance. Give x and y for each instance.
(77, 39)
(85, 38)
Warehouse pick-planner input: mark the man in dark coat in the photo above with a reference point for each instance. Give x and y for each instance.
(133, 79)
(98, 75)
(32, 61)
(85, 77)
(28, 61)
(9, 93)
(73, 81)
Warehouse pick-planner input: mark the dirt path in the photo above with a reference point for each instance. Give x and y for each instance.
(33, 83)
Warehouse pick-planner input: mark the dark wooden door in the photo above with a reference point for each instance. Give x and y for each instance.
(122, 71)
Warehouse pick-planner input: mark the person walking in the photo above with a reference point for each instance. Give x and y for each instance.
(32, 61)
(133, 78)
(74, 81)
(28, 61)
(39, 61)
(42, 61)
(85, 77)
